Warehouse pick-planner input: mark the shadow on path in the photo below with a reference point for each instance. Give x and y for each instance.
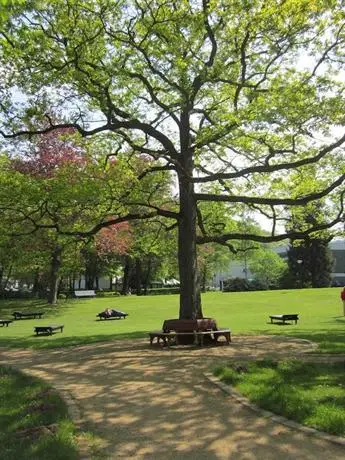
(153, 403)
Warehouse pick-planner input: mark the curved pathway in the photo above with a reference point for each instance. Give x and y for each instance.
(154, 403)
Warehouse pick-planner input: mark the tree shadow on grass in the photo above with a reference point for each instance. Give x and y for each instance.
(328, 341)
(58, 340)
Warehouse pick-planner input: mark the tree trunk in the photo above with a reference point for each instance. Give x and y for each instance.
(190, 303)
(203, 278)
(54, 275)
(138, 276)
(1, 275)
(7, 278)
(148, 274)
(126, 276)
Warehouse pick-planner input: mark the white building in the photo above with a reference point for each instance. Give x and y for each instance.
(239, 269)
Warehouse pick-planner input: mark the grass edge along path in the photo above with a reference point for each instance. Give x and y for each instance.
(34, 420)
(312, 394)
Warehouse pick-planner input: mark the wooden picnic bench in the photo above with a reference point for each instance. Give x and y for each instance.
(282, 319)
(48, 329)
(20, 315)
(189, 331)
(5, 322)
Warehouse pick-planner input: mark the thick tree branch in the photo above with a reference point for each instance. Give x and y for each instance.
(293, 235)
(268, 168)
(271, 201)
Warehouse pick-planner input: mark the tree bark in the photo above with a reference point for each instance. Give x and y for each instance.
(54, 275)
(190, 303)
(7, 278)
(126, 276)
(148, 274)
(203, 278)
(138, 276)
(1, 275)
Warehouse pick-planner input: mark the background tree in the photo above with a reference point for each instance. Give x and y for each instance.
(215, 91)
(267, 267)
(310, 260)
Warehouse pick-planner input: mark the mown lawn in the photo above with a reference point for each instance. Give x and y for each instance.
(34, 424)
(320, 311)
(311, 394)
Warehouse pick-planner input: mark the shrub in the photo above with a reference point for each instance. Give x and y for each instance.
(235, 285)
(257, 285)
(62, 296)
(102, 293)
(160, 291)
(242, 284)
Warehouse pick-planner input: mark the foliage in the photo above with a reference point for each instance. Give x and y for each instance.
(267, 267)
(242, 284)
(162, 291)
(310, 264)
(312, 394)
(235, 284)
(238, 99)
(310, 260)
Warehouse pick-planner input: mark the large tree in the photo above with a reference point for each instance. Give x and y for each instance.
(236, 94)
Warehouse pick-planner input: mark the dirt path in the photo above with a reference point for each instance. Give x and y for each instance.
(153, 403)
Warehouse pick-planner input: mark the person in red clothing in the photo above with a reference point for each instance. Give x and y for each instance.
(342, 296)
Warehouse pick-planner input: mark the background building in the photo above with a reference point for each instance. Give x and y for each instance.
(239, 268)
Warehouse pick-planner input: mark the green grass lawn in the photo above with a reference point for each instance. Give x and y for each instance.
(320, 313)
(311, 394)
(27, 405)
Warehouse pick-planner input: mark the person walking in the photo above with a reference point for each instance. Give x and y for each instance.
(342, 296)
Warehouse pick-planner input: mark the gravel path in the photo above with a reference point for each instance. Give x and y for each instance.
(153, 403)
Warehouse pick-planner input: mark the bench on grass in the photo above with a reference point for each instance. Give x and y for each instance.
(48, 329)
(282, 319)
(184, 331)
(33, 314)
(5, 322)
(110, 313)
(90, 293)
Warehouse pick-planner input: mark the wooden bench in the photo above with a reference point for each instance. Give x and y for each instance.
(226, 333)
(5, 322)
(195, 331)
(20, 315)
(48, 329)
(282, 319)
(167, 337)
(90, 293)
